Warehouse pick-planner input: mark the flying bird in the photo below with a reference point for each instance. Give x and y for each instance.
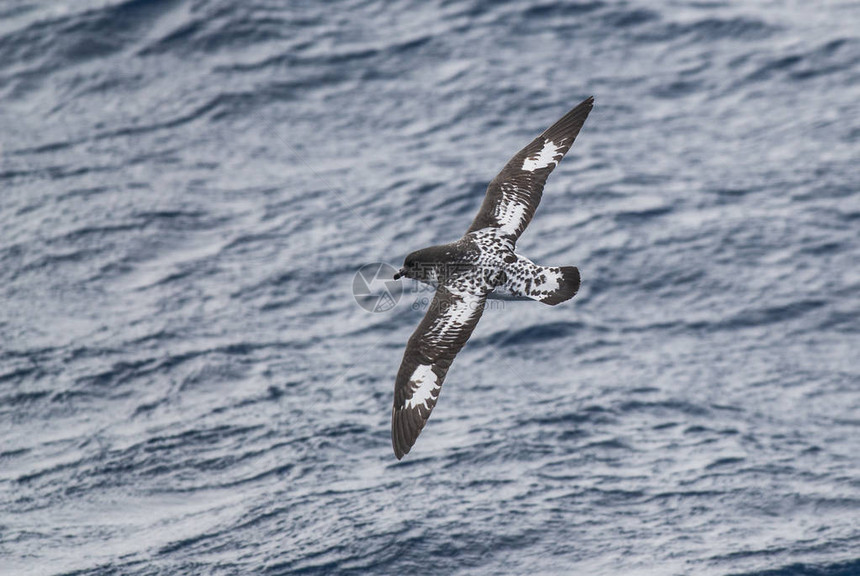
(481, 264)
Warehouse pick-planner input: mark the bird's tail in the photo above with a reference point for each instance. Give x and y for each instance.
(568, 280)
(550, 285)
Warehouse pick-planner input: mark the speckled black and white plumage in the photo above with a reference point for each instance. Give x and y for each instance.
(482, 264)
(550, 285)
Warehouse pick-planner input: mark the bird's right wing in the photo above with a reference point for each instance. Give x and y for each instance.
(447, 325)
(513, 196)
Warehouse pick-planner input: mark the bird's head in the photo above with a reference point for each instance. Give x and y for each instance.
(419, 265)
(410, 267)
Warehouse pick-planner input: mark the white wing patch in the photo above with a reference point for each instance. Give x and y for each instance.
(442, 333)
(426, 380)
(545, 157)
(461, 313)
(510, 214)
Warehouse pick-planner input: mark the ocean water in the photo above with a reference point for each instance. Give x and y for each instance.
(188, 386)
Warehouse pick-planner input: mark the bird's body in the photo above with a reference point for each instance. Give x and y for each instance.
(481, 264)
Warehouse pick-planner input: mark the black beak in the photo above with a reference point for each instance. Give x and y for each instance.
(399, 275)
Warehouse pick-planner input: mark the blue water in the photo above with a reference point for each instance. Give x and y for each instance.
(187, 385)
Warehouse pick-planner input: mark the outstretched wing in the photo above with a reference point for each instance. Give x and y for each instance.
(514, 195)
(432, 347)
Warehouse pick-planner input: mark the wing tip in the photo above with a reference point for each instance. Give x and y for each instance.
(399, 454)
(568, 126)
(584, 106)
(402, 438)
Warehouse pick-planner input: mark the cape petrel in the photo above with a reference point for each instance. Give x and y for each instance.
(479, 265)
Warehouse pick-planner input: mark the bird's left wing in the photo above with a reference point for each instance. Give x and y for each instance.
(446, 327)
(513, 196)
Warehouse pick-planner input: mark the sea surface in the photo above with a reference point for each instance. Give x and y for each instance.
(189, 386)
